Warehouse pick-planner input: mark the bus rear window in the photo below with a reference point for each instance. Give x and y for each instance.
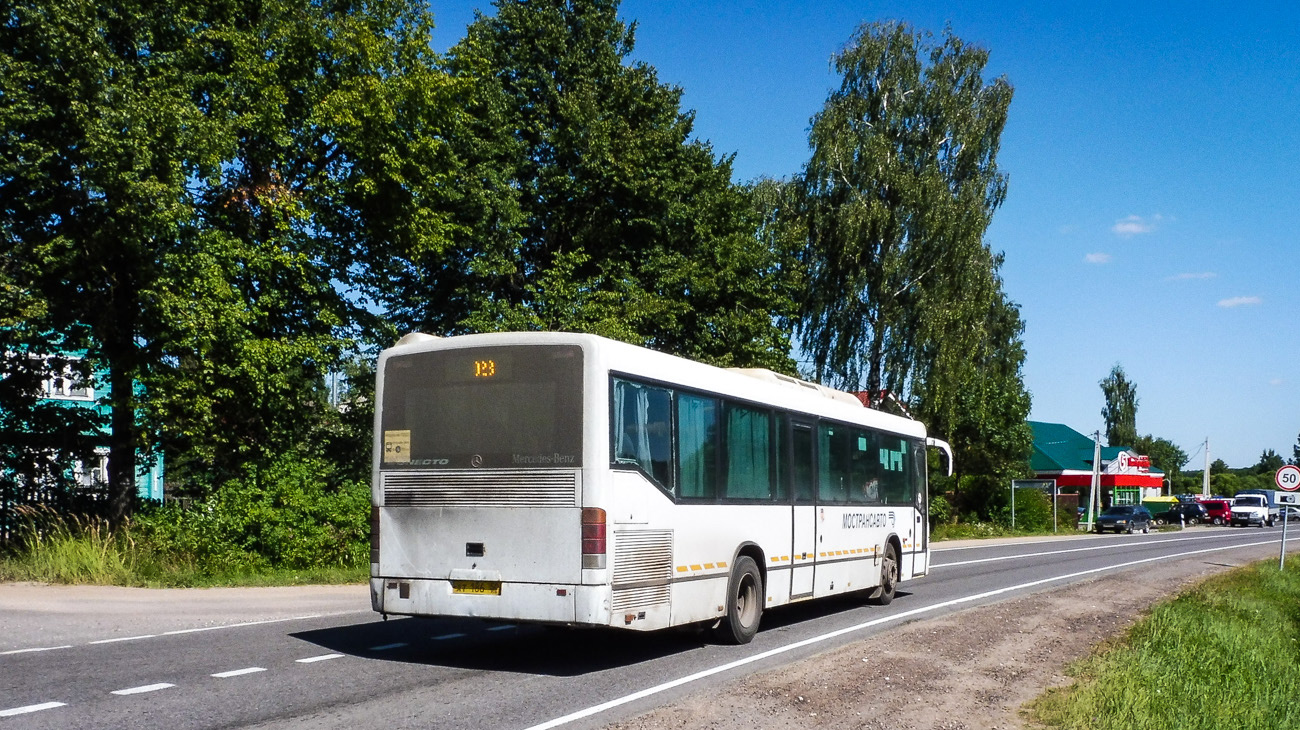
(497, 407)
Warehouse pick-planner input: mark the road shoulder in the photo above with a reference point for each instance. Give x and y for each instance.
(971, 670)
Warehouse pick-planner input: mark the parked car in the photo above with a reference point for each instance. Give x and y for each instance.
(1124, 518)
(1220, 510)
(1188, 513)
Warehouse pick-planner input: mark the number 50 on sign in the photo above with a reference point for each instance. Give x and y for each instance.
(1288, 478)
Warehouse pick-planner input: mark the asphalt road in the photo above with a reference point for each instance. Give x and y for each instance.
(208, 660)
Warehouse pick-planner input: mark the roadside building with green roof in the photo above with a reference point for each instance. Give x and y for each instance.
(1065, 455)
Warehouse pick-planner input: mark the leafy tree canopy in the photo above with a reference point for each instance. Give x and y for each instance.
(188, 190)
(588, 206)
(1120, 408)
(902, 293)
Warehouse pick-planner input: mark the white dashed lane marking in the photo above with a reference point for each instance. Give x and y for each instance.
(444, 637)
(320, 658)
(386, 647)
(30, 708)
(141, 690)
(238, 672)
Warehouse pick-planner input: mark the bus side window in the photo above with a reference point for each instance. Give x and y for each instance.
(864, 468)
(833, 460)
(697, 446)
(748, 452)
(895, 471)
(642, 429)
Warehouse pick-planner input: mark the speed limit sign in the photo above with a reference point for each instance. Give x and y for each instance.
(1288, 478)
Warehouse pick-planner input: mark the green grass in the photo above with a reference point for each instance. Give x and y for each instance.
(82, 552)
(1224, 655)
(971, 530)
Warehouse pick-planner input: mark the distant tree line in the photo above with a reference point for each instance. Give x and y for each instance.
(211, 209)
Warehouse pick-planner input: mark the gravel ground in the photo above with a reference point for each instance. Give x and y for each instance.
(971, 670)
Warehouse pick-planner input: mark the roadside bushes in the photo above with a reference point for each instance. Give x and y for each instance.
(290, 513)
(285, 522)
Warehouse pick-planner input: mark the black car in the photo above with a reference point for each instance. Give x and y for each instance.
(1124, 518)
(1189, 513)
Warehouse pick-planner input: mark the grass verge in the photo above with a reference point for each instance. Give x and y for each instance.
(1224, 655)
(87, 552)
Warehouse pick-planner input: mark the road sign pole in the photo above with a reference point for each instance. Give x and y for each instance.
(1287, 479)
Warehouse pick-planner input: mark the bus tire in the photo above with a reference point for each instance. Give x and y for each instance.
(744, 603)
(884, 595)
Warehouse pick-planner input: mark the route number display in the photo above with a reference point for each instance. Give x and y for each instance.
(1288, 478)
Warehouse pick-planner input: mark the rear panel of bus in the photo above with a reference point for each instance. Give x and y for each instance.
(478, 486)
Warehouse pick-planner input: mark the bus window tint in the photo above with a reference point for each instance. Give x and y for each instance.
(642, 429)
(919, 467)
(864, 468)
(697, 446)
(895, 470)
(748, 440)
(801, 466)
(833, 460)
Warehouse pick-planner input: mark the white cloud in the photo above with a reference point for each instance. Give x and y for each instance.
(1097, 258)
(1276, 382)
(1186, 277)
(1136, 224)
(1239, 302)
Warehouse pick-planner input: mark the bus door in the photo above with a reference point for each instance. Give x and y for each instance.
(802, 467)
(921, 497)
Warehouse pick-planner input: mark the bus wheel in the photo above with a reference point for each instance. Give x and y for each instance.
(744, 603)
(884, 595)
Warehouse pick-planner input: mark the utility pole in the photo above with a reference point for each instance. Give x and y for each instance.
(1094, 492)
(1205, 475)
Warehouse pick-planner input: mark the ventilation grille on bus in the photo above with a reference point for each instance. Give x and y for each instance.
(643, 568)
(498, 488)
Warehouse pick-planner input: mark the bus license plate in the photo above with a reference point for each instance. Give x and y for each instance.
(477, 587)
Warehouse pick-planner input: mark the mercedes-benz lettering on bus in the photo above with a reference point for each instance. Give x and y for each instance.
(570, 479)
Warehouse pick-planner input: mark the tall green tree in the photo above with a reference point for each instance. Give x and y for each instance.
(1269, 462)
(900, 189)
(189, 190)
(1120, 409)
(1165, 455)
(902, 294)
(589, 206)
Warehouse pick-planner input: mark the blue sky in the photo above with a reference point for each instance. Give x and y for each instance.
(1153, 151)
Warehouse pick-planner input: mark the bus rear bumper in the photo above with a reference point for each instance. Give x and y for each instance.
(574, 605)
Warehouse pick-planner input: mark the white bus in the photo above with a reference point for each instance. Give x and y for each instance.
(570, 479)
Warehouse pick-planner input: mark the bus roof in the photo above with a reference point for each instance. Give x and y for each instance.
(755, 385)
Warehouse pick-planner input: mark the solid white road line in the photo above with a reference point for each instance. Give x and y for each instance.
(182, 631)
(39, 648)
(238, 672)
(321, 658)
(30, 708)
(650, 691)
(143, 689)
(239, 625)
(386, 647)
(1071, 550)
(124, 638)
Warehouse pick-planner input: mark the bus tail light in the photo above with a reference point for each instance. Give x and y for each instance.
(374, 534)
(593, 538)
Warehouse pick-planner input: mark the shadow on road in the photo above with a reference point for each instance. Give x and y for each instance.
(469, 644)
(544, 650)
